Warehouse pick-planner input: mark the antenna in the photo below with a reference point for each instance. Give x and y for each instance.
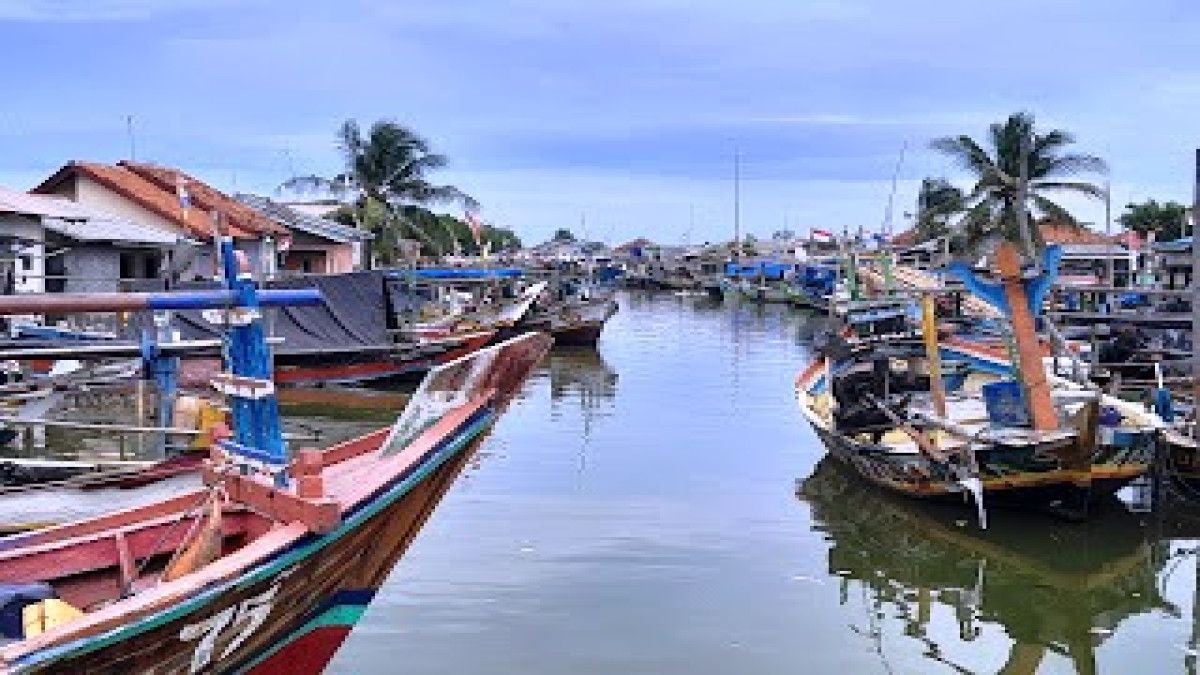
(129, 133)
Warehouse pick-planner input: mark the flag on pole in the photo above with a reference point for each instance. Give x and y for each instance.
(475, 225)
(185, 200)
(822, 233)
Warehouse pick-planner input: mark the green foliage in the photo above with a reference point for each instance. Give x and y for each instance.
(385, 186)
(938, 201)
(1000, 200)
(1166, 221)
(563, 234)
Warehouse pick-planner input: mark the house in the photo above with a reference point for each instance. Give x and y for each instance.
(174, 202)
(318, 245)
(1171, 264)
(51, 244)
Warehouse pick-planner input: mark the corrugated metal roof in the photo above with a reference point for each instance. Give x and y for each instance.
(47, 206)
(117, 231)
(291, 218)
(78, 222)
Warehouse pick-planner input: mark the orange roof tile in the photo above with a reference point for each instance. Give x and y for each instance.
(1061, 233)
(154, 188)
(1052, 233)
(207, 199)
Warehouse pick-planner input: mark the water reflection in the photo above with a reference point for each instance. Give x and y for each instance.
(580, 375)
(1052, 589)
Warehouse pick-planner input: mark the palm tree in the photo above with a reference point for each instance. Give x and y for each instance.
(1014, 178)
(386, 169)
(937, 202)
(1011, 186)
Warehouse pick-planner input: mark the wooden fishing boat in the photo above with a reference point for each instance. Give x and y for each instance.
(380, 364)
(267, 567)
(575, 322)
(884, 407)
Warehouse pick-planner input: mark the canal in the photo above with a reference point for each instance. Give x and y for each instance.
(658, 506)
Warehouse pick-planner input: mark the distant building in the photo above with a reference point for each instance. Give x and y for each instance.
(51, 244)
(317, 245)
(173, 202)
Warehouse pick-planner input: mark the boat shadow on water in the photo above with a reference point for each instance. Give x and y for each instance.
(1053, 588)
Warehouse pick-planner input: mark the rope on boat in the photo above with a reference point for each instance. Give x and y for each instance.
(183, 515)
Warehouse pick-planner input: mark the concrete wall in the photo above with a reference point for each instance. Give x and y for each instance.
(92, 269)
(28, 261)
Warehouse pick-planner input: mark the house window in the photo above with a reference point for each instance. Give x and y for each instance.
(128, 265)
(26, 263)
(307, 265)
(150, 266)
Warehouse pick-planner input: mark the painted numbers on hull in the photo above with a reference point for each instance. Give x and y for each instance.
(235, 624)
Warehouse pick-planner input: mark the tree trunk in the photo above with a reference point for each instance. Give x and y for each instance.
(1033, 373)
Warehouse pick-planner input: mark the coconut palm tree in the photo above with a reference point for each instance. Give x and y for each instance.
(1016, 176)
(937, 202)
(388, 168)
(1013, 178)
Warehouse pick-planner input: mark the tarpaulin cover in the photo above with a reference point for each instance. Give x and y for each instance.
(353, 315)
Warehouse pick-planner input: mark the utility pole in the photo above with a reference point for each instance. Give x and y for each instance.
(737, 206)
(1112, 264)
(1195, 282)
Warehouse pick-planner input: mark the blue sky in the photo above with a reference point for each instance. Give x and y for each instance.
(622, 115)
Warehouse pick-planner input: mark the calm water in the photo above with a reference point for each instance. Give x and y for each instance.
(660, 507)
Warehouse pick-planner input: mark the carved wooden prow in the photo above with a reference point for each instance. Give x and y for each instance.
(1041, 406)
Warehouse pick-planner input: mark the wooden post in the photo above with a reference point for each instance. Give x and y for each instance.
(937, 388)
(1033, 373)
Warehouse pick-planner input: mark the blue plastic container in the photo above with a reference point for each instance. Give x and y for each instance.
(1005, 405)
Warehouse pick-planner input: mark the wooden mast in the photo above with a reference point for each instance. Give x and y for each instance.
(1041, 406)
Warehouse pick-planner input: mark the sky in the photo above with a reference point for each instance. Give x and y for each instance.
(613, 118)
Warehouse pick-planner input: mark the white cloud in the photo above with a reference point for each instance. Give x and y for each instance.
(99, 10)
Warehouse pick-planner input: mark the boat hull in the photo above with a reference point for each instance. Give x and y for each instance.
(1014, 482)
(315, 370)
(292, 613)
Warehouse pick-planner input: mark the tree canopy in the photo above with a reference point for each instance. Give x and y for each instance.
(1016, 171)
(937, 202)
(1167, 220)
(562, 234)
(444, 232)
(385, 186)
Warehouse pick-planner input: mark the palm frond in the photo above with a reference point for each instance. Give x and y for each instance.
(966, 152)
(1068, 165)
(1052, 211)
(313, 184)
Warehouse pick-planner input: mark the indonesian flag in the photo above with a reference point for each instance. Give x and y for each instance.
(822, 233)
(475, 225)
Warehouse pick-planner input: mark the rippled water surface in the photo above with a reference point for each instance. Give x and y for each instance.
(659, 506)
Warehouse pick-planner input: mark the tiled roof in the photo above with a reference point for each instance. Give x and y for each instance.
(1060, 233)
(1052, 233)
(207, 199)
(154, 188)
(293, 219)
